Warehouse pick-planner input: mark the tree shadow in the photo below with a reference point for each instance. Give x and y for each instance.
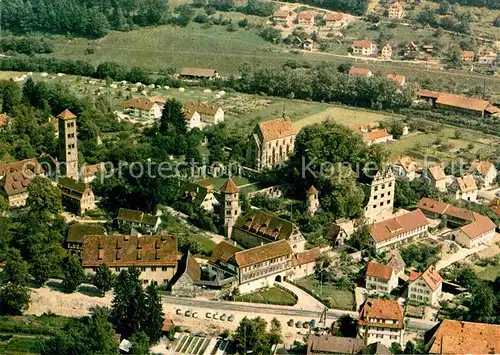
(89, 290)
(56, 286)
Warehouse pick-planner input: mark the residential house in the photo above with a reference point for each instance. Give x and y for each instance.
(76, 232)
(380, 278)
(487, 57)
(340, 231)
(333, 20)
(4, 120)
(458, 103)
(201, 194)
(209, 114)
(399, 79)
(405, 168)
(463, 188)
(426, 287)
(303, 263)
(283, 18)
(77, 196)
(467, 56)
(221, 265)
(159, 101)
(428, 48)
(400, 230)
(379, 194)
(410, 50)
(144, 222)
(142, 108)
(253, 268)
(360, 71)
(395, 260)
(15, 178)
(88, 173)
(258, 227)
(329, 344)
(472, 229)
(435, 176)
(305, 18)
(193, 118)
(377, 136)
(381, 321)
(270, 144)
(453, 337)
(484, 172)
(184, 282)
(364, 47)
(396, 11)
(386, 52)
(199, 73)
(494, 205)
(154, 255)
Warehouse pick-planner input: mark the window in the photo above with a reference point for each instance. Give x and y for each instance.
(143, 269)
(382, 203)
(163, 268)
(153, 269)
(382, 195)
(375, 197)
(374, 206)
(117, 269)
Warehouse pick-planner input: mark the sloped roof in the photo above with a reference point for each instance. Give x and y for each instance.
(479, 227)
(276, 129)
(281, 14)
(4, 119)
(379, 271)
(429, 93)
(396, 261)
(457, 337)
(77, 187)
(140, 103)
(481, 167)
(201, 108)
(467, 54)
(223, 251)
(208, 73)
(306, 257)
(430, 276)
(124, 214)
(359, 71)
(15, 183)
(27, 167)
(495, 205)
(265, 225)
(391, 228)
(124, 250)
(437, 172)
(66, 115)
(229, 187)
(362, 44)
(397, 4)
(466, 183)
(76, 231)
(324, 344)
(333, 16)
(463, 102)
(400, 79)
(382, 309)
(262, 253)
(407, 164)
(92, 170)
(376, 134)
(312, 190)
(306, 15)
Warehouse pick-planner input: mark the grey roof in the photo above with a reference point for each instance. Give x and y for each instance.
(328, 344)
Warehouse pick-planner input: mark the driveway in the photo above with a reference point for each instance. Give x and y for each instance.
(461, 254)
(305, 300)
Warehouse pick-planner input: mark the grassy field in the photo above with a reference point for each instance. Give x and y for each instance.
(426, 144)
(489, 273)
(175, 227)
(272, 295)
(337, 298)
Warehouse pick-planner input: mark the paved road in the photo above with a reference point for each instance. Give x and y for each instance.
(305, 300)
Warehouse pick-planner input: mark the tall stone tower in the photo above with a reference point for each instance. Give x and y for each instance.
(68, 150)
(231, 208)
(312, 200)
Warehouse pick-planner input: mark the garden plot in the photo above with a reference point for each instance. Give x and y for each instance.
(191, 344)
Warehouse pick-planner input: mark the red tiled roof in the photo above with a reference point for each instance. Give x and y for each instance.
(229, 187)
(467, 54)
(201, 108)
(492, 109)
(457, 337)
(4, 119)
(140, 103)
(379, 271)
(312, 190)
(167, 325)
(262, 253)
(333, 17)
(400, 79)
(381, 309)
(66, 115)
(479, 227)
(437, 172)
(281, 14)
(376, 134)
(92, 170)
(469, 103)
(407, 164)
(391, 228)
(429, 93)
(359, 71)
(306, 16)
(276, 129)
(430, 276)
(413, 276)
(362, 44)
(481, 167)
(306, 257)
(467, 183)
(397, 4)
(208, 73)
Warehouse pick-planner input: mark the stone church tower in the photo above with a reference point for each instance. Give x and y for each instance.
(231, 208)
(68, 150)
(312, 200)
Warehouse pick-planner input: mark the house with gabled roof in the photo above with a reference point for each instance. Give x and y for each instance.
(154, 255)
(283, 18)
(400, 230)
(185, 282)
(405, 168)
(144, 222)
(328, 344)
(198, 73)
(15, 178)
(386, 51)
(333, 20)
(76, 232)
(467, 56)
(425, 287)
(377, 136)
(77, 196)
(484, 172)
(142, 108)
(303, 263)
(88, 173)
(201, 194)
(463, 188)
(364, 47)
(208, 114)
(435, 176)
(380, 278)
(258, 227)
(381, 320)
(360, 71)
(396, 11)
(270, 143)
(453, 337)
(395, 260)
(399, 79)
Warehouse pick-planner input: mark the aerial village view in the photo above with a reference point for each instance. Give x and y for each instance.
(214, 177)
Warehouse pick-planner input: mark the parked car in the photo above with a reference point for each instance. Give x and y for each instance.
(188, 313)
(195, 315)
(299, 324)
(230, 318)
(216, 315)
(312, 323)
(223, 316)
(290, 323)
(306, 325)
(208, 315)
(179, 311)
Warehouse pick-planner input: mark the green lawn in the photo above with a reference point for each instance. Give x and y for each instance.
(489, 273)
(175, 227)
(338, 298)
(272, 295)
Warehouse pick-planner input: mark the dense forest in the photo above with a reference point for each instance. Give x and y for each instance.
(355, 7)
(492, 4)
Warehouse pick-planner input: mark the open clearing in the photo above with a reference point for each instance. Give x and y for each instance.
(338, 299)
(272, 295)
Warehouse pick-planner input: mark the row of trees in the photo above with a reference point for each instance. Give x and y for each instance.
(253, 7)
(492, 4)
(356, 7)
(26, 45)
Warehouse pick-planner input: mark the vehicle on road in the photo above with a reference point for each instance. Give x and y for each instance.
(291, 323)
(299, 324)
(208, 315)
(230, 318)
(215, 316)
(306, 325)
(195, 315)
(179, 311)
(223, 317)
(188, 313)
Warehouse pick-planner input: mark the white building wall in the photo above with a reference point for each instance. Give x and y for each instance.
(421, 292)
(462, 239)
(380, 285)
(160, 274)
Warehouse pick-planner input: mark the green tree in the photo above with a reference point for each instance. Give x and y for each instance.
(153, 321)
(40, 268)
(426, 16)
(43, 197)
(466, 277)
(275, 333)
(11, 96)
(140, 343)
(454, 58)
(15, 269)
(251, 335)
(347, 326)
(172, 121)
(444, 7)
(103, 278)
(496, 21)
(409, 348)
(482, 304)
(73, 274)
(396, 348)
(14, 298)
